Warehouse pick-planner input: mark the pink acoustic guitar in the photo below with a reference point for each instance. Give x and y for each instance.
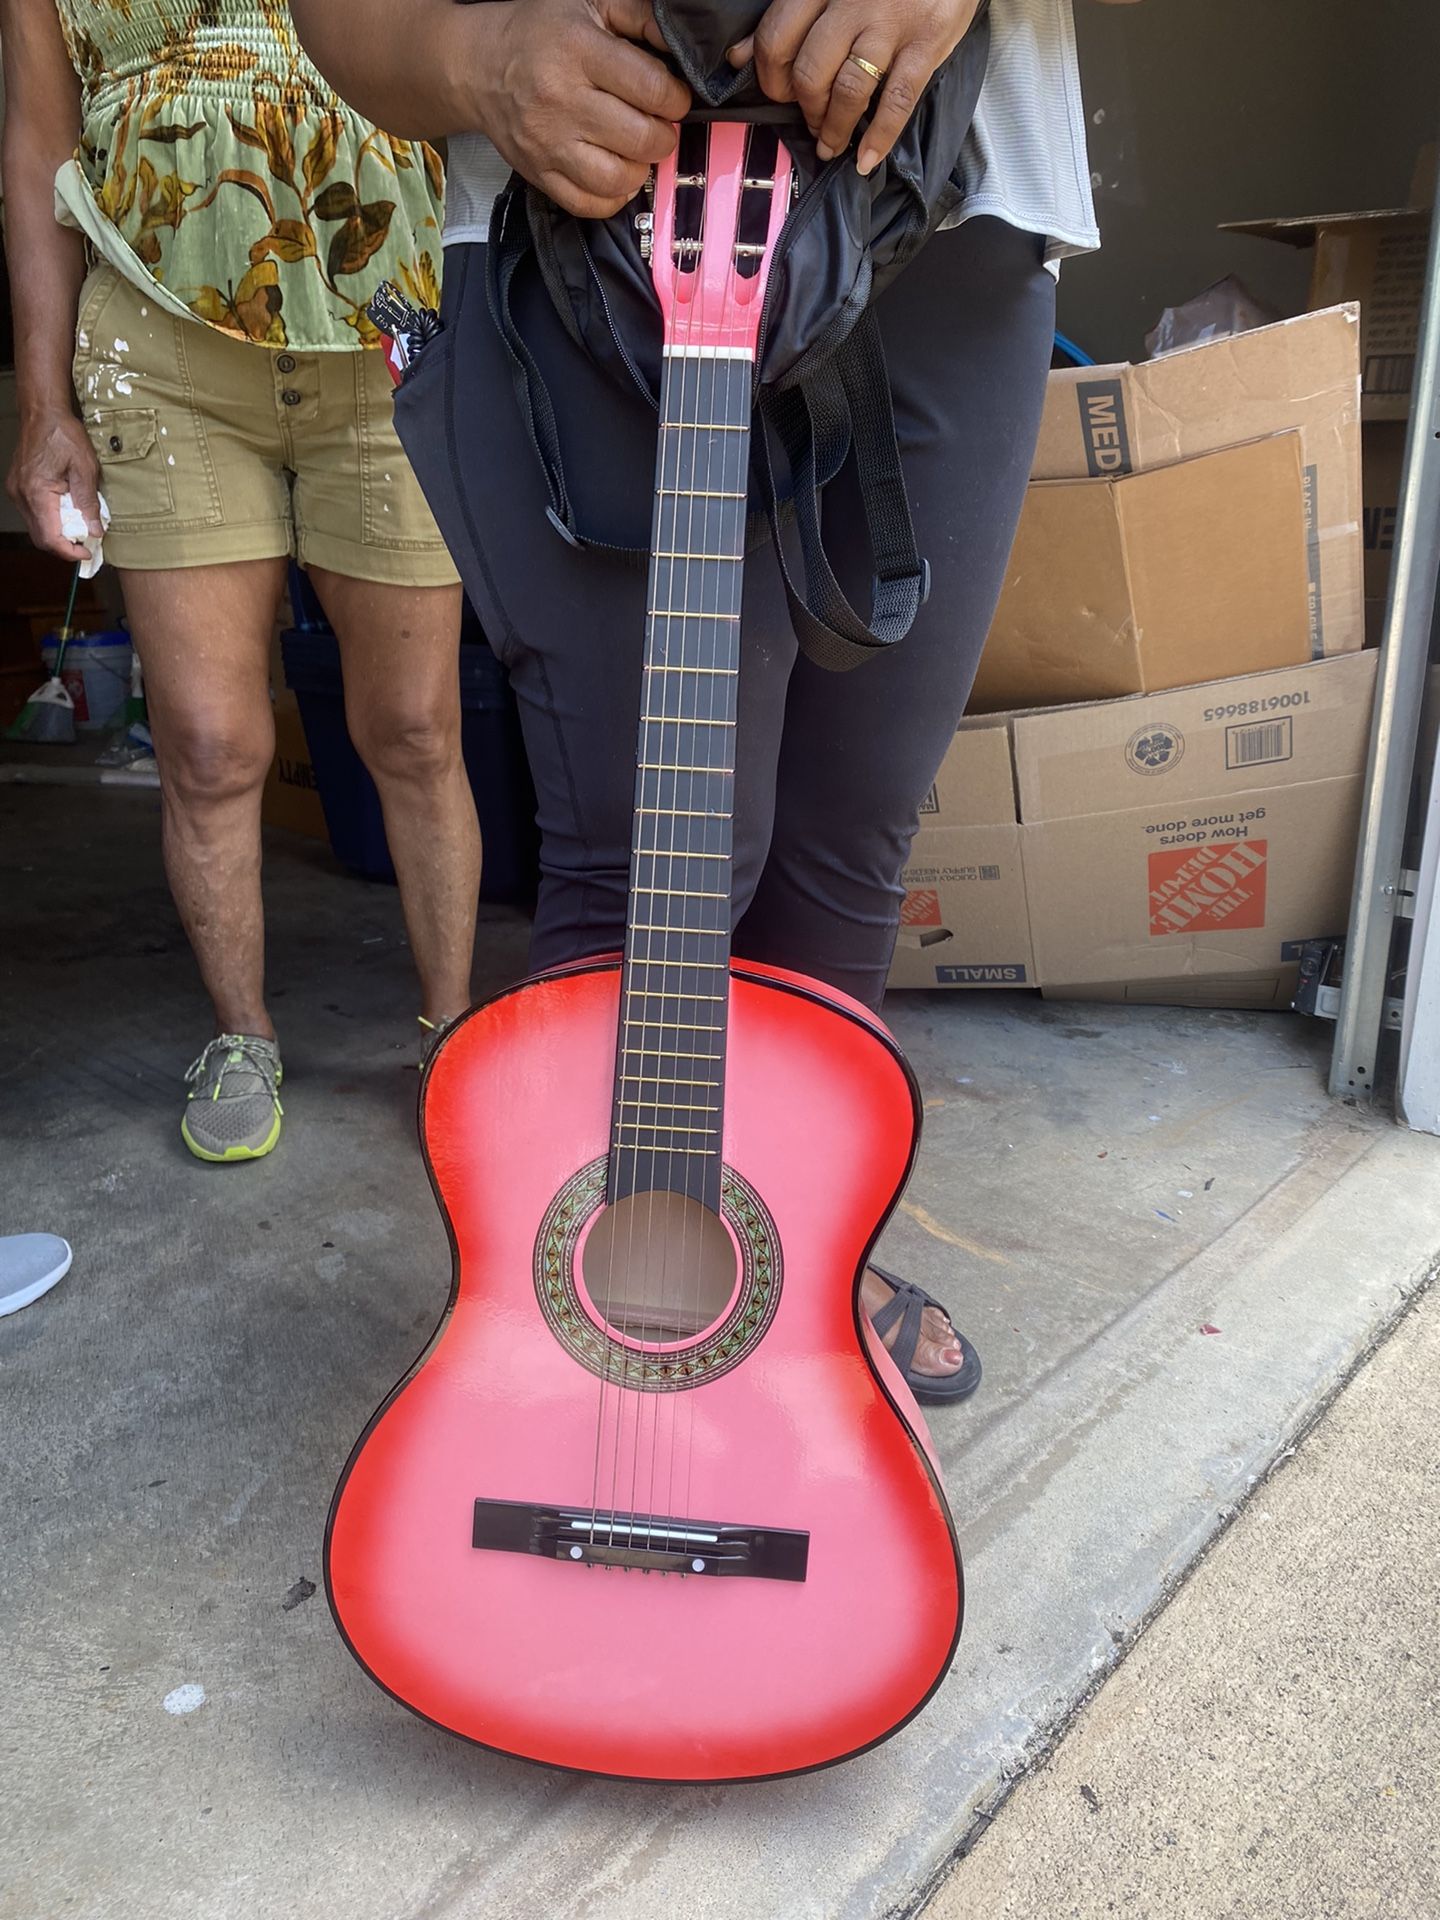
(654, 1502)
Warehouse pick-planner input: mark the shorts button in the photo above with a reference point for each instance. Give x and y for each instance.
(117, 445)
(286, 363)
(290, 397)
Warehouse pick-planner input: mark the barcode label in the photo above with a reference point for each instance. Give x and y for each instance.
(989, 873)
(1389, 372)
(1260, 745)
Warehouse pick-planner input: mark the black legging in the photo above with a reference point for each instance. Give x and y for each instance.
(831, 767)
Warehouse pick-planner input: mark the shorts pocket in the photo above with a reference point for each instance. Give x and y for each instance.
(135, 472)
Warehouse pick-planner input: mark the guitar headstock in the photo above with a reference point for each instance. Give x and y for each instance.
(720, 201)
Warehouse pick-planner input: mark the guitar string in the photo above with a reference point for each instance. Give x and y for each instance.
(694, 368)
(700, 801)
(723, 692)
(631, 1039)
(658, 1020)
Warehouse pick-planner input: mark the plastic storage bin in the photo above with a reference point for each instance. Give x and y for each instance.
(494, 759)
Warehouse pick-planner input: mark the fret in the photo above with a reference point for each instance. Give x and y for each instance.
(680, 1026)
(702, 426)
(719, 966)
(672, 993)
(734, 559)
(682, 613)
(696, 669)
(669, 1053)
(661, 1126)
(676, 1106)
(665, 766)
(706, 933)
(632, 1146)
(679, 720)
(700, 493)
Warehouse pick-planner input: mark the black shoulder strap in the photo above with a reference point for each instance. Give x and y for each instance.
(845, 404)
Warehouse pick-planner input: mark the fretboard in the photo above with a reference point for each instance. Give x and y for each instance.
(670, 1070)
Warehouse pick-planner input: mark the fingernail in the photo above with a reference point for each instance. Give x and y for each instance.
(824, 152)
(867, 162)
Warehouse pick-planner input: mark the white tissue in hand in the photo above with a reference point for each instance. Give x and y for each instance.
(73, 526)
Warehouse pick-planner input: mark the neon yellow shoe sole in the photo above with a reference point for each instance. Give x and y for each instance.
(267, 1145)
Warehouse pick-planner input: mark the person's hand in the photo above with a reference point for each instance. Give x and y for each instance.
(820, 54)
(54, 458)
(576, 105)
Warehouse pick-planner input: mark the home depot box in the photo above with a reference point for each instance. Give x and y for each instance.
(1179, 849)
(1301, 375)
(1384, 464)
(964, 921)
(1152, 580)
(291, 798)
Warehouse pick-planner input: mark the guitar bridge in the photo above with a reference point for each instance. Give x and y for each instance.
(648, 1542)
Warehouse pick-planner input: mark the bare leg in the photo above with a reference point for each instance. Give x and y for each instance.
(399, 647)
(203, 635)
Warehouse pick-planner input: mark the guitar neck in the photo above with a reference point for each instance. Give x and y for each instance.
(670, 1071)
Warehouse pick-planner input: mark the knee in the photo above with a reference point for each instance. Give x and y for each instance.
(206, 762)
(414, 744)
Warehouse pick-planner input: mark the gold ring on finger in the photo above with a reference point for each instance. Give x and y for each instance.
(867, 66)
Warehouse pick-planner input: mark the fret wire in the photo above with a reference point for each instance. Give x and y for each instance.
(683, 893)
(670, 1053)
(664, 553)
(656, 960)
(672, 993)
(656, 668)
(664, 766)
(702, 426)
(697, 1152)
(675, 1106)
(679, 720)
(679, 613)
(699, 493)
(679, 1026)
(710, 933)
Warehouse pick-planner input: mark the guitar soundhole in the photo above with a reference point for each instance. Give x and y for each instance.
(659, 1268)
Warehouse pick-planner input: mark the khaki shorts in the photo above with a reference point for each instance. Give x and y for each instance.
(215, 450)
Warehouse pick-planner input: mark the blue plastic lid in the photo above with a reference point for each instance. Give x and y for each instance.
(111, 637)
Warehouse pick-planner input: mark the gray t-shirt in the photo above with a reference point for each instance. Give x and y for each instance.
(1025, 160)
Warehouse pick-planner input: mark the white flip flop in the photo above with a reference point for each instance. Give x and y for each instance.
(30, 1264)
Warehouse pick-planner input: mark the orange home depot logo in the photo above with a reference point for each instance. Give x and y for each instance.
(1197, 889)
(921, 908)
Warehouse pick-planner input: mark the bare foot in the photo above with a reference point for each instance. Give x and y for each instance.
(938, 1350)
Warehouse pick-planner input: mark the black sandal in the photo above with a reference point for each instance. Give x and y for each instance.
(908, 1304)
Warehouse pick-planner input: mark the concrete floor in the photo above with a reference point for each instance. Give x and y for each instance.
(1272, 1746)
(1167, 1242)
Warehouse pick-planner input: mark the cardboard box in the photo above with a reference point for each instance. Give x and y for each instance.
(1384, 463)
(1151, 580)
(1378, 259)
(964, 921)
(291, 798)
(1180, 850)
(1301, 375)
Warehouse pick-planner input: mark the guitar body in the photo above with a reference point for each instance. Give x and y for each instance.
(782, 1415)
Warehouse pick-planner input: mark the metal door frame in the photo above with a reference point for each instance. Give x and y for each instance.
(1383, 894)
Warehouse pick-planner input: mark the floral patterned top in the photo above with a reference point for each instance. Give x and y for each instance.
(237, 180)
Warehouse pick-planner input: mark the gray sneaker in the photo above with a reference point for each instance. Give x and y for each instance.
(233, 1110)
